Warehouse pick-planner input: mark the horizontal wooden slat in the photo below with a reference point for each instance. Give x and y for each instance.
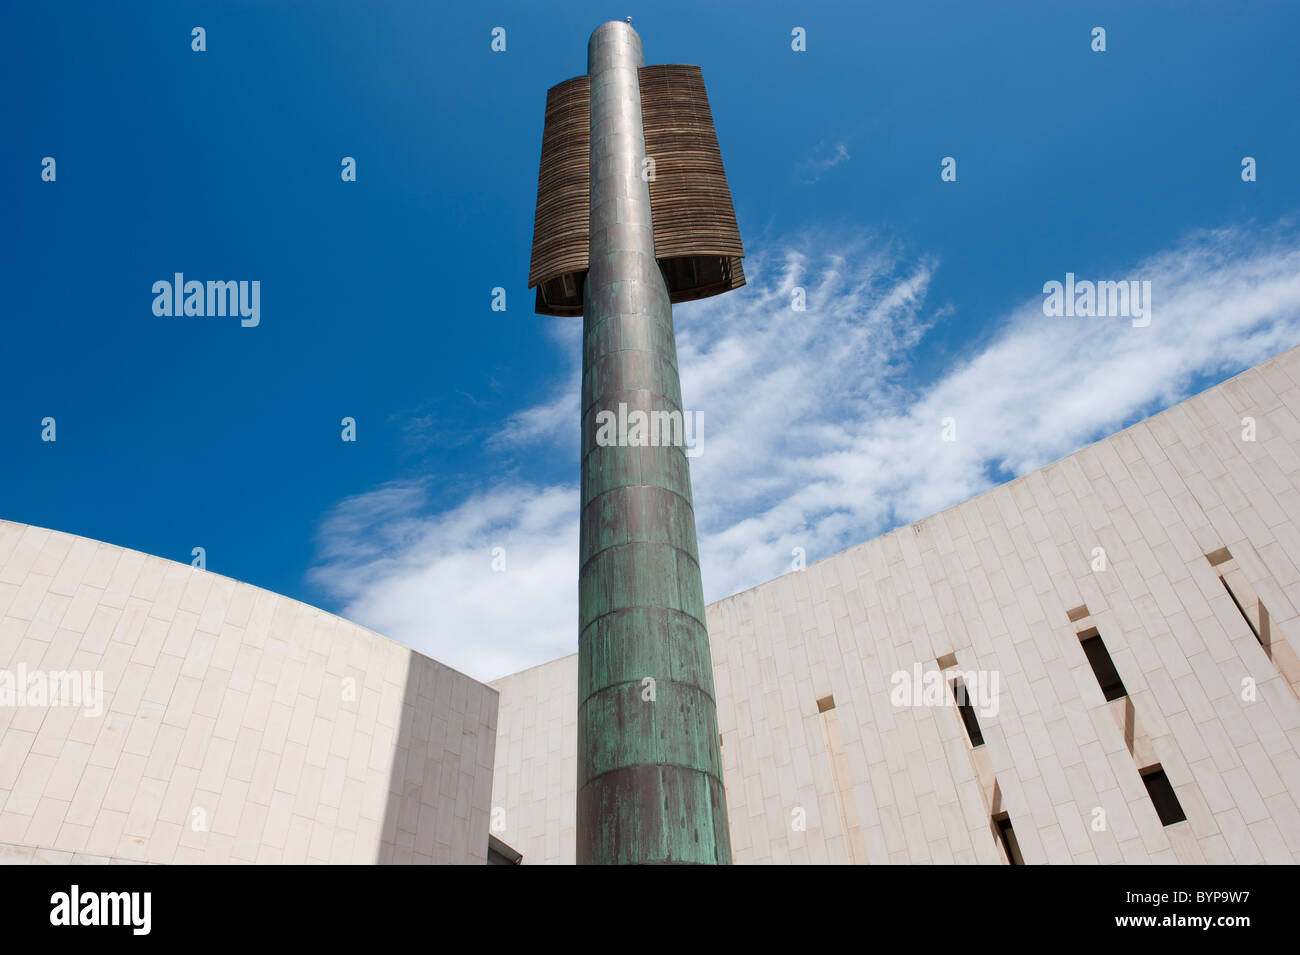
(561, 223)
(690, 203)
(696, 236)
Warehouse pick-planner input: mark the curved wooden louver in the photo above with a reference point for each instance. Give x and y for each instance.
(561, 224)
(697, 241)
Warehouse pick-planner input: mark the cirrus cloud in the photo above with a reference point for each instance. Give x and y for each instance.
(819, 433)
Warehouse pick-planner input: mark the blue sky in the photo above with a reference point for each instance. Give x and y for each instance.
(924, 295)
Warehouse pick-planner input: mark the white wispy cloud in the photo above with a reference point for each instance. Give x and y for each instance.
(428, 580)
(817, 432)
(823, 157)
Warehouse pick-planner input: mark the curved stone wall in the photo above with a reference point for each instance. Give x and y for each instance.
(154, 712)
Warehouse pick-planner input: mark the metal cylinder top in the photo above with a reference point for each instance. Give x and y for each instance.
(614, 44)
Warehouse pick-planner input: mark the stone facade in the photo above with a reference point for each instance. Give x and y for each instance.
(1199, 536)
(235, 725)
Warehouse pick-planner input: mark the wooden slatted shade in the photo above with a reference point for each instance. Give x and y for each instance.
(697, 241)
(561, 225)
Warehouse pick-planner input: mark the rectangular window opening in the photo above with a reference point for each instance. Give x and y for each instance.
(1218, 557)
(967, 712)
(1008, 836)
(1103, 667)
(1161, 791)
(1241, 609)
(1246, 599)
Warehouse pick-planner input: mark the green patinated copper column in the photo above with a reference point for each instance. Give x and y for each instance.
(649, 764)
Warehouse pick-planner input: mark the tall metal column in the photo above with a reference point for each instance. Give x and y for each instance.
(649, 763)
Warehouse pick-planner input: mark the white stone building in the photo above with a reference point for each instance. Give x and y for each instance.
(1196, 609)
(1125, 622)
(234, 725)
